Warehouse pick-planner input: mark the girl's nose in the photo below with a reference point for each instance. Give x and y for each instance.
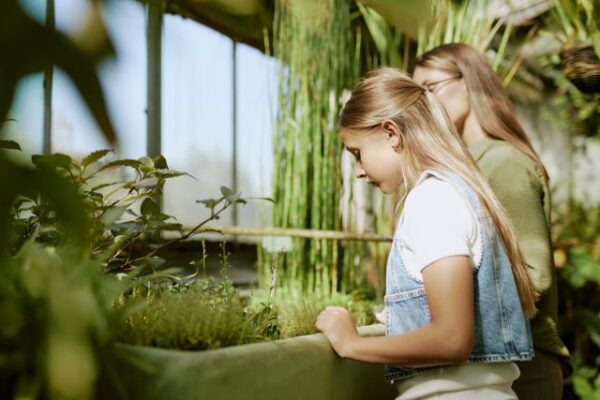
(360, 171)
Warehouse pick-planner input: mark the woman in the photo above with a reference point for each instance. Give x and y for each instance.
(485, 119)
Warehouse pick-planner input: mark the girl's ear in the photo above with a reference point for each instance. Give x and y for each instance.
(392, 131)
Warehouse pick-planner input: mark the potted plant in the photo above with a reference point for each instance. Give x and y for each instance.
(578, 32)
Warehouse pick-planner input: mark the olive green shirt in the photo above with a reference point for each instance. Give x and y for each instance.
(522, 190)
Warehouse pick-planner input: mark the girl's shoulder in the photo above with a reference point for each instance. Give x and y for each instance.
(427, 187)
(432, 192)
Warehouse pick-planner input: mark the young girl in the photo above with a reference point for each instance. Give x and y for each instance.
(485, 119)
(457, 293)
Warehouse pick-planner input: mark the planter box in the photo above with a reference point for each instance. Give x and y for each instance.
(304, 368)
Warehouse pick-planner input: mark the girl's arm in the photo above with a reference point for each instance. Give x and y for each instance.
(448, 339)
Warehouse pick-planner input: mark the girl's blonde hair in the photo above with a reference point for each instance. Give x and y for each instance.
(429, 141)
(491, 105)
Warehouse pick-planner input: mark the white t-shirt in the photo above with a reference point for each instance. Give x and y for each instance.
(437, 222)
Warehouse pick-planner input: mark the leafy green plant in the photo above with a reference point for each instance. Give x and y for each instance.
(64, 224)
(586, 380)
(56, 323)
(201, 316)
(574, 107)
(470, 22)
(576, 235)
(106, 202)
(387, 39)
(570, 109)
(576, 22)
(206, 314)
(122, 211)
(297, 314)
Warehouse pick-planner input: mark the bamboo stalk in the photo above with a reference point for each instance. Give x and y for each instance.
(313, 41)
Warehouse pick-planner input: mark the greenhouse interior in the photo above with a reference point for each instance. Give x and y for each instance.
(300, 199)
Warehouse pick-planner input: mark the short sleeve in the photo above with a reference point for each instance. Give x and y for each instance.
(437, 223)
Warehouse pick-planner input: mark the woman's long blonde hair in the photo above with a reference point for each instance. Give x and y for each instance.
(429, 141)
(491, 105)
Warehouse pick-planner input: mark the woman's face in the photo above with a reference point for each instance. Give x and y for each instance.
(377, 158)
(450, 89)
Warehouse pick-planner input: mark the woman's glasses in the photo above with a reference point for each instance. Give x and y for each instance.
(433, 86)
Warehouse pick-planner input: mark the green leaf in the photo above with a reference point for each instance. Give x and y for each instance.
(103, 185)
(172, 174)
(225, 191)
(263, 198)
(56, 160)
(19, 202)
(147, 183)
(121, 163)
(10, 145)
(146, 162)
(127, 226)
(160, 162)
(149, 207)
(94, 195)
(234, 198)
(581, 385)
(161, 217)
(167, 226)
(20, 181)
(156, 262)
(95, 156)
(209, 203)
(592, 323)
(110, 216)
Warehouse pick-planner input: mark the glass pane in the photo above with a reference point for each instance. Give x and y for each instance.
(123, 81)
(124, 78)
(197, 116)
(256, 110)
(26, 117)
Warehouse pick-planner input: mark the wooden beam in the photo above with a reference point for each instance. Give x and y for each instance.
(298, 233)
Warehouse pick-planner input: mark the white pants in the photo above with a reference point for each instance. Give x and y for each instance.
(489, 381)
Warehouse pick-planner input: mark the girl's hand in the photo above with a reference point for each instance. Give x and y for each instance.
(337, 326)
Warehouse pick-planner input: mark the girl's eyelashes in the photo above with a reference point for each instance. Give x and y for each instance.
(356, 154)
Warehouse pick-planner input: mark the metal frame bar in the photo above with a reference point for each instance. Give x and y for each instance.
(154, 77)
(234, 177)
(48, 81)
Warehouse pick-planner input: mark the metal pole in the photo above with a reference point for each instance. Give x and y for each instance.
(154, 74)
(48, 77)
(235, 133)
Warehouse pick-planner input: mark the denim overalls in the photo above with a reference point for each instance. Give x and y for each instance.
(502, 331)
